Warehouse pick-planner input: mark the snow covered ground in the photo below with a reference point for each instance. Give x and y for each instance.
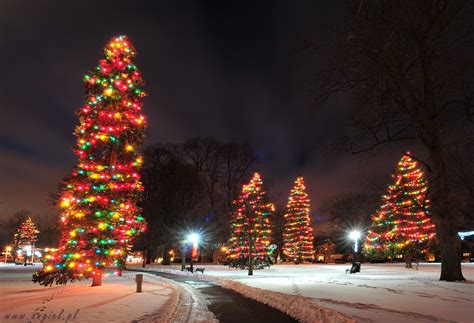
(380, 292)
(115, 301)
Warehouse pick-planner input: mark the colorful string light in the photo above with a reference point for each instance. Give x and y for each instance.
(298, 233)
(27, 233)
(99, 217)
(250, 226)
(402, 224)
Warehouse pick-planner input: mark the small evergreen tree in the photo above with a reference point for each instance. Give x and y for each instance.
(26, 236)
(27, 233)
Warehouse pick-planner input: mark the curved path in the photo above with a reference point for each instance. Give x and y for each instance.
(227, 305)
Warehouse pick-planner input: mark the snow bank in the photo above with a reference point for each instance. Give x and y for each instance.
(299, 307)
(380, 292)
(161, 300)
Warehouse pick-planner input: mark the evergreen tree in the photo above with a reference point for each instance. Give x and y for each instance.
(402, 224)
(99, 216)
(27, 233)
(298, 233)
(26, 237)
(250, 226)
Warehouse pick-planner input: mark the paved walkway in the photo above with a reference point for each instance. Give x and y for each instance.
(229, 306)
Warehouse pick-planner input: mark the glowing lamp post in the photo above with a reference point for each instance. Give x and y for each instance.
(355, 235)
(194, 239)
(8, 249)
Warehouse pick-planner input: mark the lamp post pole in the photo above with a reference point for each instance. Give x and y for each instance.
(355, 235)
(194, 239)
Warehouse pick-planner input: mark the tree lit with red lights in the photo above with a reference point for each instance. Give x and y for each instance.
(27, 233)
(251, 228)
(298, 233)
(99, 217)
(402, 224)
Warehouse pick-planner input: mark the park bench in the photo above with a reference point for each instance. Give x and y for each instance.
(355, 268)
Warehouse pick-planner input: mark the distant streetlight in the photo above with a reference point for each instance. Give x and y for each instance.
(355, 235)
(194, 239)
(7, 252)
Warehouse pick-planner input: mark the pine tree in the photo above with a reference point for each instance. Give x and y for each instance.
(250, 226)
(298, 233)
(402, 224)
(26, 237)
(99, 217)
(27, 233)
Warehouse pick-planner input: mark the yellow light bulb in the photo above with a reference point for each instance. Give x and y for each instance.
(65, 203)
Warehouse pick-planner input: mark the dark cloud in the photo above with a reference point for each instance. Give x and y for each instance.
(212, 69)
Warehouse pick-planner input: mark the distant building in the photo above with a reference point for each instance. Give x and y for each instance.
(467, 246)
(325, 252)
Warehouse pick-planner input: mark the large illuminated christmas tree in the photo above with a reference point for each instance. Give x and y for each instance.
(100, 216)
(297, 232)
(402, 225)
(251, 228)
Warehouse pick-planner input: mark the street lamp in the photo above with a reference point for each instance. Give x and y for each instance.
(355, 235)
(194, 239)
(8, 249)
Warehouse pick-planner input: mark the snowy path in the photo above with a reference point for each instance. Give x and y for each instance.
(115, 301)
(380, 293)
(227, 305)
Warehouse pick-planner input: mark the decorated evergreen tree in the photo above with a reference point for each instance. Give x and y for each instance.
(99, 216)
(250, 226)
(298, 233)
(26, 237)
(402, 225)
(27, 233)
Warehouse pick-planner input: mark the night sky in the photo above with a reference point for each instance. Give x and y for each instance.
(231, 71)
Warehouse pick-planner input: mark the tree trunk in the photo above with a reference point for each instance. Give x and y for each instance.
(250, 259)
(408, 263)
(149, 257)
(183, 258)
(445, 218)
(166, 255)
(97, 279)
(450, 250)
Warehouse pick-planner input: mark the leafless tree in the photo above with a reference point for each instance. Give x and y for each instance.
(10, 225)
(223, 167)
(408, 66)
